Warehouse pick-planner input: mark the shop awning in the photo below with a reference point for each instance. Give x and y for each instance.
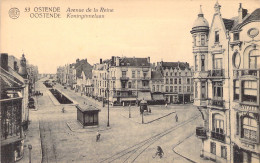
(128, 99)
(144, 95)
(157, 97)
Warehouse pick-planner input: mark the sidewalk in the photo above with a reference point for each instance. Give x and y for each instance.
(33, 138)
(190, 149)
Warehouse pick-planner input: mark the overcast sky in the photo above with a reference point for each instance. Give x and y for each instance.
(159, 29)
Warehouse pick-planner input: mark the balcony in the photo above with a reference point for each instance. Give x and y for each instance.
(125, 96)
(218, 136)
(146, 78)
(124, 78)
(201, 133)
(216, 73)
(246, 72)
(216, 102)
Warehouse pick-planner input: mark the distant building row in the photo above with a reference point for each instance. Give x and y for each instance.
(130, 80)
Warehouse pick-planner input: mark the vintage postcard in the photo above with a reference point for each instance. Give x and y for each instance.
(103, 81)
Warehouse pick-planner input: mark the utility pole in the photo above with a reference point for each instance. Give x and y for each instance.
(107, 95)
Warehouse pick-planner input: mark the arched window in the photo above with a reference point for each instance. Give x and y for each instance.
(218, 124)
(254, 59)
(249, 128)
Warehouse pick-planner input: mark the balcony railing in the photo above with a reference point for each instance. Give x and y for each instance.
(124, 78)
(216, 73)
(201, 132)
(216, 102)
(246, 72)
(218, 136)
(146, 78)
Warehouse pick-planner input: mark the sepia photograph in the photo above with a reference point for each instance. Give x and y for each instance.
(130, 81)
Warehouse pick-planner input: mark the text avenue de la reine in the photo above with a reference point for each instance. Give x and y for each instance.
(76, 13)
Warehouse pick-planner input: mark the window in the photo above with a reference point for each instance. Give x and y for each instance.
(153, 88)
(171, 81)
(145, 73)
(218, 124)
(237, 123)
(194, 40)
(157, 88)
(224, 152)
(236, 90)
(175, 73)
(138, 74)
(203, 90)
(236, 36)
(196, 63)
(123, 73)
(171, 88)
(249, 91)
(184, 88)
(188, 81)
(217, 90)
(167, 81)
(129, 85)
(186, 74)
(217, 63)
(175, 88)
(175, 81)
(133, 74)
(202, 39)
(196, 90)
(162, 88)
(213, 148)
(254, 59)
(179, 73)
(216, 36)
(167, 89)
(179, 88)
(202, 63)
(166, 73)
(179, 81)
(188, 88)
(249, 129)
(171, 73)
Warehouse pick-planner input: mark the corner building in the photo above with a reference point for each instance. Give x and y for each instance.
(226, 85)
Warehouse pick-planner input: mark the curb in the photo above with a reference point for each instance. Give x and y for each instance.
(180, 142)
(85, 129)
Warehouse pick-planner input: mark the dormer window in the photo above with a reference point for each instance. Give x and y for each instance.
(236, 36)
(216, 36)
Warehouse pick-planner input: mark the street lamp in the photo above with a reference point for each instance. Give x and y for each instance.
(30, 149)
(129, 110)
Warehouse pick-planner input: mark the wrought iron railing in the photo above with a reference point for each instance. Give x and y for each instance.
(218, 136)
(245, 72)
(216, 73)
(216, 102)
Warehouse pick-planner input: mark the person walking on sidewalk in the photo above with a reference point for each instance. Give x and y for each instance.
(166, 105)
(176, 117)
(98, 136)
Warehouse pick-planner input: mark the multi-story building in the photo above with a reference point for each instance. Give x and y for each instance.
(245, 86)
(14, 111)
(157, 87)
(177, 78)
(226, 85)
(128, 80)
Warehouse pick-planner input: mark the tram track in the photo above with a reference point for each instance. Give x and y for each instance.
(136, 150)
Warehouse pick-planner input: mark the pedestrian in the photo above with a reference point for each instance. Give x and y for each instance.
(159, 152)
(176, 117)
(98, 136)
(166, 105)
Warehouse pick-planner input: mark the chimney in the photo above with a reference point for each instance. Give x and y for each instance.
(117, 61)
(4, 61)
(241, 13)
(100, 61)
(148, 59)
(16, 66)
(77, 60)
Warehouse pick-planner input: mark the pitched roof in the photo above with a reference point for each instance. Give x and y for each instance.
(156, 75)
(84, 66)
(133, 62)
(228, 23)
(8, 80)
(173, 65)
(254, 16)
